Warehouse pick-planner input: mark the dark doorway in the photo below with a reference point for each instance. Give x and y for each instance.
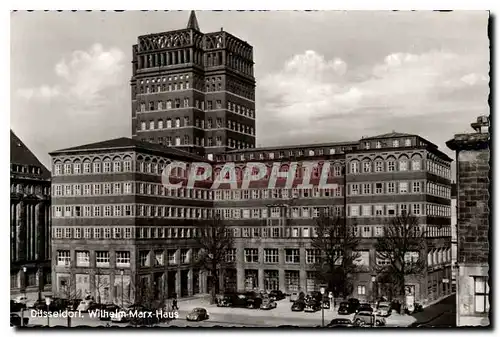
(196, 281)
(230, 284)
(184, 283)
(171, 283)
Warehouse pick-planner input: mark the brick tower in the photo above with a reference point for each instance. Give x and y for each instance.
(194, 91)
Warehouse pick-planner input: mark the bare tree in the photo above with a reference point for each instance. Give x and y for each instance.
(336, 241)
(400, 246)
(215, 239)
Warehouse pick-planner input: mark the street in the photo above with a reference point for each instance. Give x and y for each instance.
(231, 317)
(441, 314)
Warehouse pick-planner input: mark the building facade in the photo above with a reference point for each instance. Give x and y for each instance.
(193, 90)
(474, 205)
(454, 238)
(116, 228)
(29, 219)
(193, 100)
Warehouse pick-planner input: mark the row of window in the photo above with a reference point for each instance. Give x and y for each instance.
(176, 104)
(102, 259)
(88, 167)
(29, 189)
(103, 232)
(123, 188)
(282, 154)
(392, 187)
(17, 168)
(278, 193)
(379, 144)
(391, 165)
(399, 209)
(164, 79)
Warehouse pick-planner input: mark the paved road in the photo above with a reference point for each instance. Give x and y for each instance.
(441, 314)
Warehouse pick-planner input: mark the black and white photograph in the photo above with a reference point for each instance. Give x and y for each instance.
(323, 169)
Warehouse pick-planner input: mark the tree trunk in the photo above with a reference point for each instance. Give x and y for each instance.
(213, 292)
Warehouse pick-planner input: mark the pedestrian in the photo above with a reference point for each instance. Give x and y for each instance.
(174, 304)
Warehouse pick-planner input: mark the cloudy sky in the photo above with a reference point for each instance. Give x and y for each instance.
(321, 76)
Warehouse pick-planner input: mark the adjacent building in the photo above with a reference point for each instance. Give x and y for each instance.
(29, 219)
(115, 226)
(193, 90)
(474, 205)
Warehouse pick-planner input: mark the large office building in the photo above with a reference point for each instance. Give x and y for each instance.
(192, 100)
(29, 219)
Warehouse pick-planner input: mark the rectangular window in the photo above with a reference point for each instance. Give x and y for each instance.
(251, 255)
(271, 255)
(63, 258)
(354, 189)
(82, 259)
(367, 188)
(391, 187)
(144, 258)
(416, 187)
(87, 233)
(403, 187)
(367, 210)
(231, 255)
(354, 210)
(378, 188)
(313, 256)
(102, 259)
(122, 259)
(292, 256)
(379, 210)
(361, 290)
(416, 209)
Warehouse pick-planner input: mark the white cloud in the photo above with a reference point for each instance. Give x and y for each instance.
(83, 77)
(313, 93)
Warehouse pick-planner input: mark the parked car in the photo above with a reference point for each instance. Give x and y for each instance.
(363, 318)
(267, 304)
(253, 300)
(340, 322)
(197, 314)
(108, 311)
(121, 316)
(353, 303)
(384, 309)
(21, 299)
(225, 300)
(298, 306)
(15, 306)
(15, 320)
(295, 296)
(85, 305)
(418, 307)
(365, 307)
(312, 305)
(346, 309)
(276, 295)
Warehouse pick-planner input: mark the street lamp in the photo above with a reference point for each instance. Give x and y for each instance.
(374, 279)
(322, 290)
(24, 292)
(121, 272)
(48, 300)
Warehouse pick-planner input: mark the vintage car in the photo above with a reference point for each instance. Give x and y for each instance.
(312, 305)
(368, 318)
(384, 309)
(267, 304)
(340, 322)
(276, 295)
(197, 314)
(345, 308)
(298, 305)
(365, 307)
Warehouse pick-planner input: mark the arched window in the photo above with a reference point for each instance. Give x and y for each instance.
(367, 166)
(354, 167)
(106, 167)
(403, 165)
(169, 104)
(416, 163)
(160, 124)
(391, 164)
(117, 165)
